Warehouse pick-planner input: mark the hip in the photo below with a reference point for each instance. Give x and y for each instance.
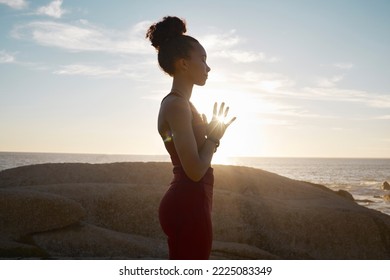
(183, 191)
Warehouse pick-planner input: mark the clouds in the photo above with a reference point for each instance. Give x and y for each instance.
(366, 98)
(325, 92)
(15, 4)
(86, 70)
(240, 56)
(281, 101)
(92, 61)
(6, 57)
(329, 82)
(228, 45)
(341, 67)
(264, 81)
(96, 71)
(83, 36)
(53, 9)
(344, 65)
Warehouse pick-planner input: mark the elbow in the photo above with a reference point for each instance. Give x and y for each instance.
(195, 170)
(195, 175)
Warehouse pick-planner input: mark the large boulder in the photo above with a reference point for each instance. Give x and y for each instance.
(24, 212)
(61, 173)
(232, 250)
(256, 214)
(87, 241)
(294, 219)
(127, 208)
(12, 249)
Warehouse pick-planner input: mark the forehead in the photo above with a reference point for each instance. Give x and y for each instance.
(198, 50)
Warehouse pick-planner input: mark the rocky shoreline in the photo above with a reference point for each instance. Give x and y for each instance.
(109, 211)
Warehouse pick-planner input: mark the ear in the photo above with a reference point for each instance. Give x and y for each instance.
(181, 64)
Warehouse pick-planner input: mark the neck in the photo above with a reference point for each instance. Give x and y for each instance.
(182, 88)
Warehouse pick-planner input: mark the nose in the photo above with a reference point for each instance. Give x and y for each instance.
(208, 69)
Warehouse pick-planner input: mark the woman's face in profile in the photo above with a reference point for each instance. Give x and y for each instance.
(197, 66)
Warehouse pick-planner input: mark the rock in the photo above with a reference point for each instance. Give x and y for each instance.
(385, 186)
(87, 241)
(13, 250)
(235, 251)
(295, 220)
(256, 214)
(366, 200)
(23, 212)
(386, 197)
(126, 208)
(62, 173)
(345, 194)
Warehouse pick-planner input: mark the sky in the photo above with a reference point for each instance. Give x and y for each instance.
(304, 78)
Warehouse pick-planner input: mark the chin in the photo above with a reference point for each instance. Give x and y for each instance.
(202, 83)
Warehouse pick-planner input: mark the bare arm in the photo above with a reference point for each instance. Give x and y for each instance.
(178, 114)
(195, 163)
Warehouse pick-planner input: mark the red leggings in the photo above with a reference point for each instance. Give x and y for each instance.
(185, 216)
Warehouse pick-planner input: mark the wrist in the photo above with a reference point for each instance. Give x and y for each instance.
(215, 141)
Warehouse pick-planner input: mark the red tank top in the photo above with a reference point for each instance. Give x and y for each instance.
(198, 127)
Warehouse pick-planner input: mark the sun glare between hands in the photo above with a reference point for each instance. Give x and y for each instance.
(222, 114)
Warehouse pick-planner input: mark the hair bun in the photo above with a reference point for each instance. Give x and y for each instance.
(164, 30)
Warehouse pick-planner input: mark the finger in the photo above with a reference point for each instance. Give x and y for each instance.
(230, 122)
(226, 112)
(204, 118)
(221, 109)
(215, 109)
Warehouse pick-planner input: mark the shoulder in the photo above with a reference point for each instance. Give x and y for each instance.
(175, 113)
(175, 107)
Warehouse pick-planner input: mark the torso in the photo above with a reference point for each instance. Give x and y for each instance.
(198, 127)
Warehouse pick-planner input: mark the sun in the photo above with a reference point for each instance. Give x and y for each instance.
(242, 136)
(221, 119)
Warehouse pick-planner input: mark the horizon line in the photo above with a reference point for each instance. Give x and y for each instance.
(166, 155)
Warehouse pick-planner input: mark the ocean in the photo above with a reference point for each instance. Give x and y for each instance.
(362, 177)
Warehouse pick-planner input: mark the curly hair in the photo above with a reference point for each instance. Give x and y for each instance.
(167, 36)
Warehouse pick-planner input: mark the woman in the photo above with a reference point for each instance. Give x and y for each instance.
(185, 210)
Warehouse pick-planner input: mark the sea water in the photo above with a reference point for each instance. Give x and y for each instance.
(361, 177)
